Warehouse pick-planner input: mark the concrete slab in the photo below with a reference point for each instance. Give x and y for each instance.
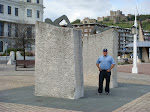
(58, 62)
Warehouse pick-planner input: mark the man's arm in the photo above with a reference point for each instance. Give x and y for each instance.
(98, 67)
(97, 64)
(112, 66)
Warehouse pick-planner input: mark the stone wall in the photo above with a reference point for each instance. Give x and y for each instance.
(58, 62)
(93, 48)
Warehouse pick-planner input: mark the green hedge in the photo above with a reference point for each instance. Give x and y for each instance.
(9, 50)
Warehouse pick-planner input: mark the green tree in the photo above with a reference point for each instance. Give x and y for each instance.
(106, 19)
(23, 36)
(78, 21)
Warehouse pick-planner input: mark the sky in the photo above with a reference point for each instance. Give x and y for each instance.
(79, 9)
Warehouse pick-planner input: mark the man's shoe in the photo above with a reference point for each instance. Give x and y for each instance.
(106, 93)
(98, 93)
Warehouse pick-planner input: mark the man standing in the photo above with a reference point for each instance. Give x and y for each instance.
(104, 63)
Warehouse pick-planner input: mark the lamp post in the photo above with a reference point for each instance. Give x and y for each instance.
(134, 31)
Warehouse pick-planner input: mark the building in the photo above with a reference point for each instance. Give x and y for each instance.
(100, 18)
(124, 38)
(88, 20)
(116, 16)
(14, 13)
(143, 45)
(87, 28)
(124, 35)
(146, 35)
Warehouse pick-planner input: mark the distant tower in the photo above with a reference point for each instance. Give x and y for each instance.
(118, 13)
(111, 13)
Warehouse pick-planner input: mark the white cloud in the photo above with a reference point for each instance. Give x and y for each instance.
(78, 9)
(75, 9)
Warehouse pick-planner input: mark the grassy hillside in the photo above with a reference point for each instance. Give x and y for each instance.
(122, 25)
(126, 23)
(145, 25)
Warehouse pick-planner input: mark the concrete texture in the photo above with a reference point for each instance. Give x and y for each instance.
(93, 48)
(22, 98)
(58, 62)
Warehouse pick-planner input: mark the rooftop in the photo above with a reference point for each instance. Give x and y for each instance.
(140, 44)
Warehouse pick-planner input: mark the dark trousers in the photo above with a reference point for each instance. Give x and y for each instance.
(104, 74)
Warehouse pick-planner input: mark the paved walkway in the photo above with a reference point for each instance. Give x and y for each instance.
(143, 68)
(17, 94)
(141, 104)
(10, 107)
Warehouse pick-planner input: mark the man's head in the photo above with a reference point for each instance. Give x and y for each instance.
(105, 52)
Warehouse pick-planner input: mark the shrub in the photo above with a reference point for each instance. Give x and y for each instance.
(28, 53)
(9, 50)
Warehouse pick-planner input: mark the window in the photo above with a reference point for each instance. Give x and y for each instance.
(38, 14)
(38, 1)
(1, 46)
(16, 30)
(29, 13)
(29, 32)
(9, 30)
(16, 11)
(1, 29)
(1, 8)
(28, 0)
(9, 10)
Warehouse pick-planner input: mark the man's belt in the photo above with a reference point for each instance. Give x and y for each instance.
(104, 70)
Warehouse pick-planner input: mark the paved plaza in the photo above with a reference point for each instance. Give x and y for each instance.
(17, 94)
(143, 68)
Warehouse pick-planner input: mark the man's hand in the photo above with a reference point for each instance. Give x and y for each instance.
(100, 69)
(108, 70)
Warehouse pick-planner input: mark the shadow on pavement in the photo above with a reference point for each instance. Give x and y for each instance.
(91, 102)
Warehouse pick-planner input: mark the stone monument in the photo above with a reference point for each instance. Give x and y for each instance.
(93, 46)
(58, 62)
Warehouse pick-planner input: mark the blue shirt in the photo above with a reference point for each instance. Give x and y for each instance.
(105, 62)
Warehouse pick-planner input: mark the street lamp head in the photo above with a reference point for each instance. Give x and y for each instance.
(133, 29)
